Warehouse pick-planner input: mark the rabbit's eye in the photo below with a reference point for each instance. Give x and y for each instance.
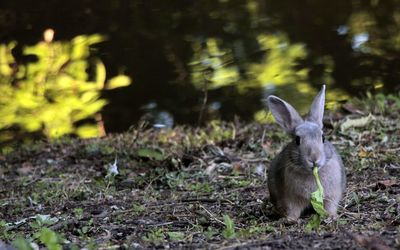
(298, 140)
(323, 138)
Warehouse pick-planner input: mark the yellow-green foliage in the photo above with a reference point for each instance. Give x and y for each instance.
(215, 64)
(51, 94)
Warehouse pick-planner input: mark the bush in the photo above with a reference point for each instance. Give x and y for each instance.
(53, 94)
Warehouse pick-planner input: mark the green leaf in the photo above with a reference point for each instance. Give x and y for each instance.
(22, 244)
(154, 154)
(317, 202)
(100, 74)
(88, 131)
(317, 197)
(118, 82)
(313, 223)
(89, 96)
(176, 236)
(50, 239)
(156, 236)
(6, 59)
(229, 231)
(45, 219)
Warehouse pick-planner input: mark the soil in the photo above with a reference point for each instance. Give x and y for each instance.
(196, 188)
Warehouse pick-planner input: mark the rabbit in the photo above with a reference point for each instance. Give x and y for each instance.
(290, 177)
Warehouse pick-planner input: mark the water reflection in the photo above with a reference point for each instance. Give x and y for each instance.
(157, 118)
(359, 40)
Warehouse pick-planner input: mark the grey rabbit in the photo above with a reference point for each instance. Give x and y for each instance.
(290, 178)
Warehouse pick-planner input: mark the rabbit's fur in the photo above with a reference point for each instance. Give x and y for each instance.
(290, 178)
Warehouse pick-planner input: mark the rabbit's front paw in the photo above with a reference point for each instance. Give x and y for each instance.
(331, 208)
(293, 214)
(289, 221)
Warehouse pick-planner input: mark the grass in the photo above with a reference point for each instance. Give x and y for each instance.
(196, 188)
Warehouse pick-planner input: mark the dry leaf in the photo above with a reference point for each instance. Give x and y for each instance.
(365, 153)
(25, 169)
(356, 123)
(385, 184)
(352, 109)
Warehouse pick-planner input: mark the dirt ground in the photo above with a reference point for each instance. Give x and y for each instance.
(197, 188)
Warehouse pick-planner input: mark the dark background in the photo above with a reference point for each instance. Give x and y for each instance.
(152, 42)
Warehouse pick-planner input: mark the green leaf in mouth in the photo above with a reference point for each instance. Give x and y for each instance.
(317, 202)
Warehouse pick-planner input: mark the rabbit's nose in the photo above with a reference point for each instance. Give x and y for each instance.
(314, 158)
(318, 161)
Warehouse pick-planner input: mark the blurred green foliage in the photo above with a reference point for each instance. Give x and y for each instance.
(50, 95)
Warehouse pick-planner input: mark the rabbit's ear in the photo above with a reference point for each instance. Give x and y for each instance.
(316, 113)
(285, 115)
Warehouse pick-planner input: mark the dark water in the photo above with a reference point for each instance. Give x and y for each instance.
(231, 52)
